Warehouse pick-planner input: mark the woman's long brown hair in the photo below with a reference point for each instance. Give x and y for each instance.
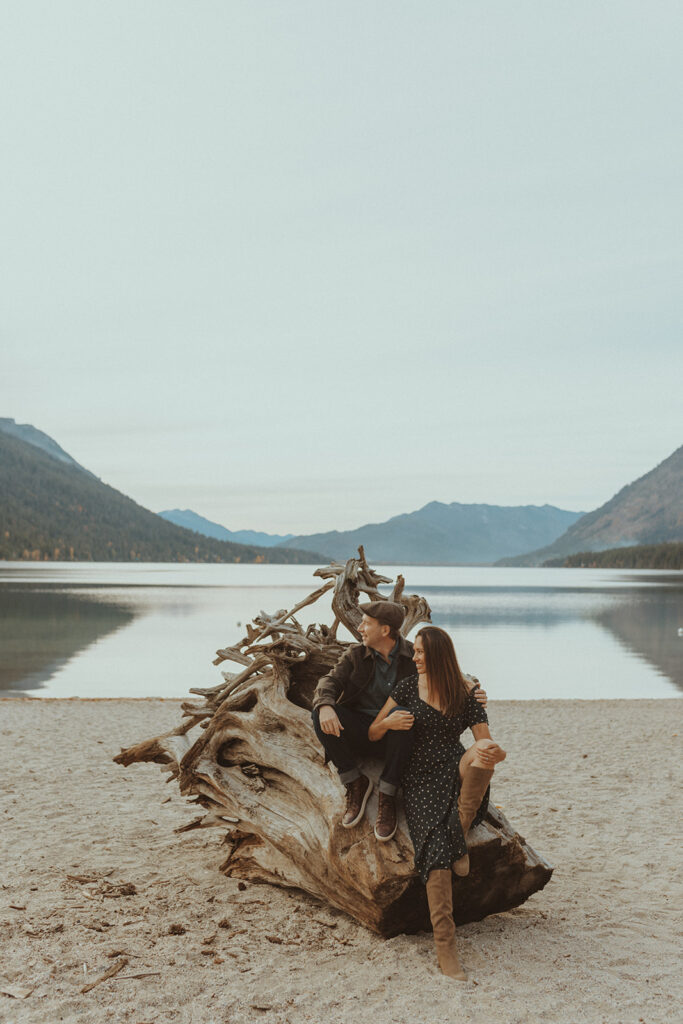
(444, 678)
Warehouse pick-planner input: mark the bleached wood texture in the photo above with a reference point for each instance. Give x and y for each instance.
(246, 753)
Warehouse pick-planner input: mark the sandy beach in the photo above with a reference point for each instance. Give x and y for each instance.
(91, 872)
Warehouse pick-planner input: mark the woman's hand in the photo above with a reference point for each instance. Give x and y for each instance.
(390, 717)
(489, 753)
(399, 720)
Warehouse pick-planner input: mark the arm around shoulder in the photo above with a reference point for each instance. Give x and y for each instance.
(474, 687)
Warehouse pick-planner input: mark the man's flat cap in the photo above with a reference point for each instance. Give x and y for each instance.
(387, 612)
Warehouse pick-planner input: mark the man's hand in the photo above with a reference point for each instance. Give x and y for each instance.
(329, 721)
(399, 720)
(481, 696)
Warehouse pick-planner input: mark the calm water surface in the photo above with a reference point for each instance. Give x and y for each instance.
(135, 630)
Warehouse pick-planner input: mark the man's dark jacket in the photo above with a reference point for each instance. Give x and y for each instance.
(355, 670)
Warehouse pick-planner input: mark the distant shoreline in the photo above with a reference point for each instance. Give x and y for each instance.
(589, 560)
(667, 556)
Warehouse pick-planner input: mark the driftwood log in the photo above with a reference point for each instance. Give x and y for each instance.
(247, 754)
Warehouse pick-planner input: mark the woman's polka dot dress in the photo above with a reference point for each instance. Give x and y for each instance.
(431, 780)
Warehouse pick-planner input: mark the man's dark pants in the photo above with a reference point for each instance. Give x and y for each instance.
(395, 746)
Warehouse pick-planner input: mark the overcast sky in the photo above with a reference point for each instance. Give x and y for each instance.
(301, 266)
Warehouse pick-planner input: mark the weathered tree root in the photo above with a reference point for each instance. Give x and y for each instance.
(248, 755)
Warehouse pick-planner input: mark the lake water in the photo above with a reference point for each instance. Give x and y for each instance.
(136, 630)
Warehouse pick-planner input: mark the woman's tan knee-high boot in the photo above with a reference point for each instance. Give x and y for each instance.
(472, 788)
(440, 898)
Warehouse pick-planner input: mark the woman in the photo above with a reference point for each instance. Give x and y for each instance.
(445, 787)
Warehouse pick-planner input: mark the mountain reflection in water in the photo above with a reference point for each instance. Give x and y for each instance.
(643, 619)
(140, 630)
(649, 628)
(41, 631)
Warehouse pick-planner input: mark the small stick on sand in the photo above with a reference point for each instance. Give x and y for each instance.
(114, 969)
(147, 974)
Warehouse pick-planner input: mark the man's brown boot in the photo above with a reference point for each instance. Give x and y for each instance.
(440, 899)
(357, 793)
(472, 789)
(387, 821)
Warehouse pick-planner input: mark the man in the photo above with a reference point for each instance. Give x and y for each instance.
(349, 697)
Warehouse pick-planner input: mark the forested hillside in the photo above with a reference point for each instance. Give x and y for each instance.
(641, 556)
(52, 510)
(646, 512)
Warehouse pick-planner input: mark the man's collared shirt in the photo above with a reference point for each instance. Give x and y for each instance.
(374, 696)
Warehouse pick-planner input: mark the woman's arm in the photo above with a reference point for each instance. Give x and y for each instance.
(385, 720)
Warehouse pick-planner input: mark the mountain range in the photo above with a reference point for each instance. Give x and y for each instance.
(31, 435)
(440, 534)
(192, 521)
(647, 511)
(51, 508)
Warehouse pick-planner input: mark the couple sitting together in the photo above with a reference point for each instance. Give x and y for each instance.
(409, 703)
